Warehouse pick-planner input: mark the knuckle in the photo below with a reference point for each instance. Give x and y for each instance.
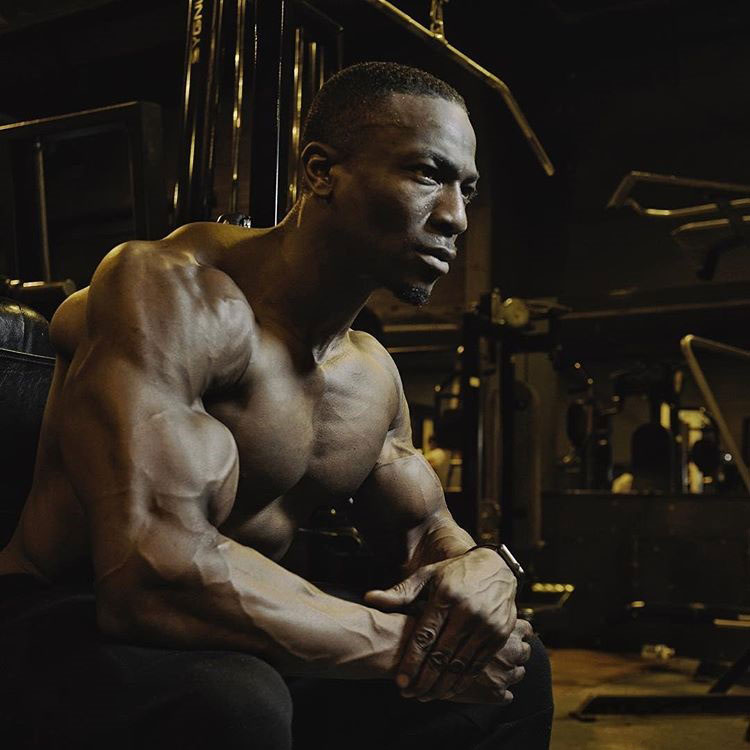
(424, 637)
(437, 660)
(524, 627)
(505, 631)
(400, 588)
(517, 675)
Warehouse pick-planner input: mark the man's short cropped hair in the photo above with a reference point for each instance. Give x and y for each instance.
(340, 109)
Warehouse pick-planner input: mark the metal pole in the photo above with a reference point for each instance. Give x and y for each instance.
(194, 186)
(439, 40)
(471, 418)
(239, 90)
(41, 193)
(687, 344)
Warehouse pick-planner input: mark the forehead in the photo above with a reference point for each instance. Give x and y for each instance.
(402, 123)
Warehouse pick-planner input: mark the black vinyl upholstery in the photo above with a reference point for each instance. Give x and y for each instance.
(26, 367)
(23, 329)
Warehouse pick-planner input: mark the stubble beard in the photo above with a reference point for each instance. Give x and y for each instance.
(412, 294)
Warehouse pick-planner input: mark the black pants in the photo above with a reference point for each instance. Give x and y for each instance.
(64, 686)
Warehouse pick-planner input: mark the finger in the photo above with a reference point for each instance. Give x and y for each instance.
(473, 670)
(514, 653)
(478, 655)
(525, 652)
(493, 648)
(524, 629)
(423, 638)
(403, 593)
(457, 666)
(511, 621)
(442, 666)
(515, 675)
(453, 674)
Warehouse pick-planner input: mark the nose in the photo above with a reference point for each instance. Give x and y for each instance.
(449, 212)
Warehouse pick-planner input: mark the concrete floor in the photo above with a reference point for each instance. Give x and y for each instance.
(577, 674)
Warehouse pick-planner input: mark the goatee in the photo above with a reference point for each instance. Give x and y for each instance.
(413, 295)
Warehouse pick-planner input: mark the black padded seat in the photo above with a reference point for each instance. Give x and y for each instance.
(23, 329)
(26, 366)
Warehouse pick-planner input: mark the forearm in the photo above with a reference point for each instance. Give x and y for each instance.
(437, 538)
(243, 601)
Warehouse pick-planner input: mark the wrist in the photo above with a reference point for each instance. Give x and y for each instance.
(394, 632)
(508, 558)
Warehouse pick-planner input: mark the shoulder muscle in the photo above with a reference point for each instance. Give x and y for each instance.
(169, 315)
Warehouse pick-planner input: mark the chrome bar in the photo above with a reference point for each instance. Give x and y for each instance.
(632, 178)
(684, 213)
(438, 39)
(295, 134)
(239, 84)
(193, 188)
(41, 193)
(687, 344)
(700, 226)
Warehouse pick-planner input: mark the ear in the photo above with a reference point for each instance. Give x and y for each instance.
(317, 161)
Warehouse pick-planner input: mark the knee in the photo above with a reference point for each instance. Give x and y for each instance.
(538, 679)
(243, 701)
(539, 660)
(527, 720)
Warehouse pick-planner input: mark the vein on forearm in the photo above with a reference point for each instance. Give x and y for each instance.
(208, 591)
(439, 539)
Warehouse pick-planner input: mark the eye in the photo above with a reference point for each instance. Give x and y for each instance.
(469, 192)
(425, 173)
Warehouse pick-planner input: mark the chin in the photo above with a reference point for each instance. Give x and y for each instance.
(413, 294)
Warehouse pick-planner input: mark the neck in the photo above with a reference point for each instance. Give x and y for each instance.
(300, 281)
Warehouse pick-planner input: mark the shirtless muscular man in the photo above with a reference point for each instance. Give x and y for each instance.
(208, 395)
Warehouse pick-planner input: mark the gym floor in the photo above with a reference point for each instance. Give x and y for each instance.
(578, 674)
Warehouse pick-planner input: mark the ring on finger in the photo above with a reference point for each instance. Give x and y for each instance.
(456, 666)
(438, 659)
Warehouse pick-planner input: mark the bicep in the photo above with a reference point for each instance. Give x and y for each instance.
(148, 468)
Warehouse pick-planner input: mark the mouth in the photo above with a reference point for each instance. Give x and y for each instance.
(438, 258)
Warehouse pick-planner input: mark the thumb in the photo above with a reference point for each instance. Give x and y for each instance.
(403, 593)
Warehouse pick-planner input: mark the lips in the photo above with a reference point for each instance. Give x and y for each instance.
(441, 253)
(438, 258)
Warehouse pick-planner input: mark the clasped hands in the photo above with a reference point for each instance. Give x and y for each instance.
(466, 645)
